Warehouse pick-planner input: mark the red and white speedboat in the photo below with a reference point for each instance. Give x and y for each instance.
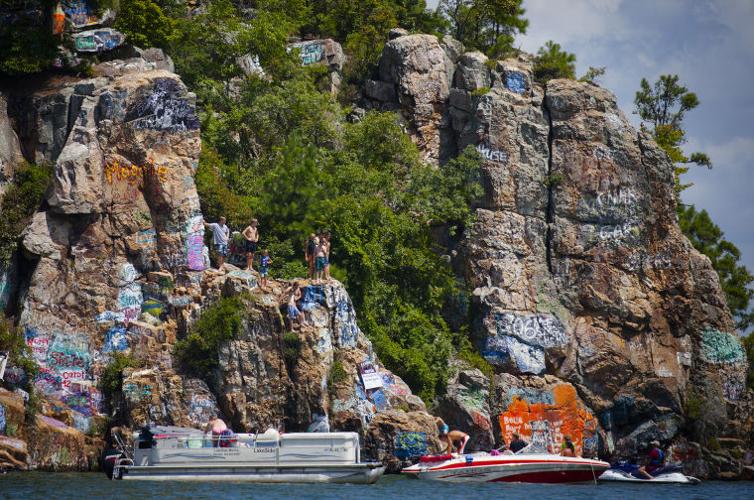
(524, 468)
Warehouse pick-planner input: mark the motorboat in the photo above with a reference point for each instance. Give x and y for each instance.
(666, 475)
(524, 468)
(176, 453)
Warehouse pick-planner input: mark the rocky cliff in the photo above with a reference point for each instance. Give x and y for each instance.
(597, 317)
(600, 319)
(115, 263)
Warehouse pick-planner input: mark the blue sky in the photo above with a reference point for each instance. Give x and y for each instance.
(710, 45)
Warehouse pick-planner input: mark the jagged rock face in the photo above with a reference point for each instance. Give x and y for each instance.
(576, 261)
(466, 405)
(123, 204)
(10, 148)
(308, 379)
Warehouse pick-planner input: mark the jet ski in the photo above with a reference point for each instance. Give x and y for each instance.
(625, 472)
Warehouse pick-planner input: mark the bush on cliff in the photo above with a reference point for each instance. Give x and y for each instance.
(22, 198)
(221, 322)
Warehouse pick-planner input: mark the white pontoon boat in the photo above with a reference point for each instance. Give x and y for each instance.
(176, 453)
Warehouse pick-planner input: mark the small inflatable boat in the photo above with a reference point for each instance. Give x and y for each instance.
(671, 474)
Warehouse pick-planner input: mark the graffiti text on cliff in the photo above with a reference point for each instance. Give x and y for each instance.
(134, 174)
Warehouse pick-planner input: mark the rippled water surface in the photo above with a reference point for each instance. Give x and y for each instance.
(34, 485)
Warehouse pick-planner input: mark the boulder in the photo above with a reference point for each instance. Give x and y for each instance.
(465, 406)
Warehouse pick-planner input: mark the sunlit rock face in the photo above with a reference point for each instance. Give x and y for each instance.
(578, 268)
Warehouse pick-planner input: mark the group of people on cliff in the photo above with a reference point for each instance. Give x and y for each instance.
(316, 251)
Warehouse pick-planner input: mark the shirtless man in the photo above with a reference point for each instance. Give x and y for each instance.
(454, 439)
(216, 426)
(251, 236)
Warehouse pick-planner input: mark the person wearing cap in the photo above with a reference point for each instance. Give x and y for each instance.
(454, 439)
(656, 460)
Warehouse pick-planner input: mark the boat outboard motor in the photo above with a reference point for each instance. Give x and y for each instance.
(109, 457)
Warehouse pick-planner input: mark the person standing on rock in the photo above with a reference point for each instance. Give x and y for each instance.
(310, 252)
(328, 242)
(320, 260)
(251, 237)
(220, 233)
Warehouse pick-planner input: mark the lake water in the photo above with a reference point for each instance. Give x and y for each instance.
(54, 486)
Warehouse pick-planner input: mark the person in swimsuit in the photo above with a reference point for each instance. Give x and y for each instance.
(320, 259)
(310, 252)
(328, 243)
(567, 449)
(216, 426)
(454, 439)
(251, 240)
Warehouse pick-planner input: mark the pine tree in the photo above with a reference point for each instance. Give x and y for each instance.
(663, 107)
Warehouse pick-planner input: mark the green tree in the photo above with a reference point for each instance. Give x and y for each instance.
(486, 25)
(735, 279)
(553, 62)
(27, 44)
(663, 106)
(144, 23)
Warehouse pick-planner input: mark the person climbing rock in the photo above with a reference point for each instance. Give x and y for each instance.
(220, 235)
(294, 315)
(251, 240)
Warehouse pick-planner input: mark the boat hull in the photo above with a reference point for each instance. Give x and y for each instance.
(357, 473)
(511, 468)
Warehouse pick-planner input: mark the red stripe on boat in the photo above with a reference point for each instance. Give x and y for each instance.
(481, 463)
(576, 476)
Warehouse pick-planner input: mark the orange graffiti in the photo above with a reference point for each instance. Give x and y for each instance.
(547, 423)
(134, 174)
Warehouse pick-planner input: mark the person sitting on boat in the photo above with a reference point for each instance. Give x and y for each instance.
(454, 439)
(517, 444)
(146, 438)
(216, 426)
(567, 449)
(656, 460)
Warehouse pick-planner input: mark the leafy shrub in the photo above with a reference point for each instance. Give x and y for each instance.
(291, 348)
(111, 379)
(22, 198)
(198, 353)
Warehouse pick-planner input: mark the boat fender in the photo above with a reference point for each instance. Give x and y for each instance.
(469, 459)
